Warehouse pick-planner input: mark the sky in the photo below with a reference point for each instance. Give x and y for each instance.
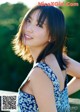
(29, 3)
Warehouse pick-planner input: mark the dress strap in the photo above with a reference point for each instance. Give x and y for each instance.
(48, 71)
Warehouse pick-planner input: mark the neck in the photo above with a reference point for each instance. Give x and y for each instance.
(35, 53)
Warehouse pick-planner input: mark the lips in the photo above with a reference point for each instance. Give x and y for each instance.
(27, 36)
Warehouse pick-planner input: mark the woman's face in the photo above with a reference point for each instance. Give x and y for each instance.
(35, 35)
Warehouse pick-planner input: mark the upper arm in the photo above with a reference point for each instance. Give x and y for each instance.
(43, 91)
(73, 67)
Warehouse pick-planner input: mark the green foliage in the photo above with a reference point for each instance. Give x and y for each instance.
(72, 17)
(12, 69)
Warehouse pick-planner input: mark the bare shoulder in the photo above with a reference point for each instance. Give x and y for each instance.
(38, 77)
(42, 90)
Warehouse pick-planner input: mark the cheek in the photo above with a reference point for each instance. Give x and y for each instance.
(41, 35)
(23, 29)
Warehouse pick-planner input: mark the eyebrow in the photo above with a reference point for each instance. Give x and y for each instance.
(31, 18)
(37, 20)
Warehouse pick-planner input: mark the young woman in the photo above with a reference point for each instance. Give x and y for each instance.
(41, 39)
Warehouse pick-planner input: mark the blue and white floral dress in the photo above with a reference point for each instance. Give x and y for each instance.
(27, 102)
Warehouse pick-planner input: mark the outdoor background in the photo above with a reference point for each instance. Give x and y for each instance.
(13, 69)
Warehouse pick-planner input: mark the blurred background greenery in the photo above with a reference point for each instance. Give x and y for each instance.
(13, 69)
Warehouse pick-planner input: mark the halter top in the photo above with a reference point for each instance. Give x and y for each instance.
(27, 102)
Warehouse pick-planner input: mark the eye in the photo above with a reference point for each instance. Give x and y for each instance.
(28, 20)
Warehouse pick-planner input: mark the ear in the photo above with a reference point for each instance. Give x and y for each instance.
(49, 38)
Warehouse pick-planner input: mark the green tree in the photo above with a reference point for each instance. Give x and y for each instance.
(13, 69)
(72, 17)
(73, 28)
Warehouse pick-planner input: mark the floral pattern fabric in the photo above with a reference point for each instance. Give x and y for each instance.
(27, 102)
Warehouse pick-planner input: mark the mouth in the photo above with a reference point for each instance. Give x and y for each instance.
(27, 37)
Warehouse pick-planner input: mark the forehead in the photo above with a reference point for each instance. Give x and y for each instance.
(36, 15)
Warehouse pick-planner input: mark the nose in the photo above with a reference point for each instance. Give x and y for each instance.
(29, 28)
